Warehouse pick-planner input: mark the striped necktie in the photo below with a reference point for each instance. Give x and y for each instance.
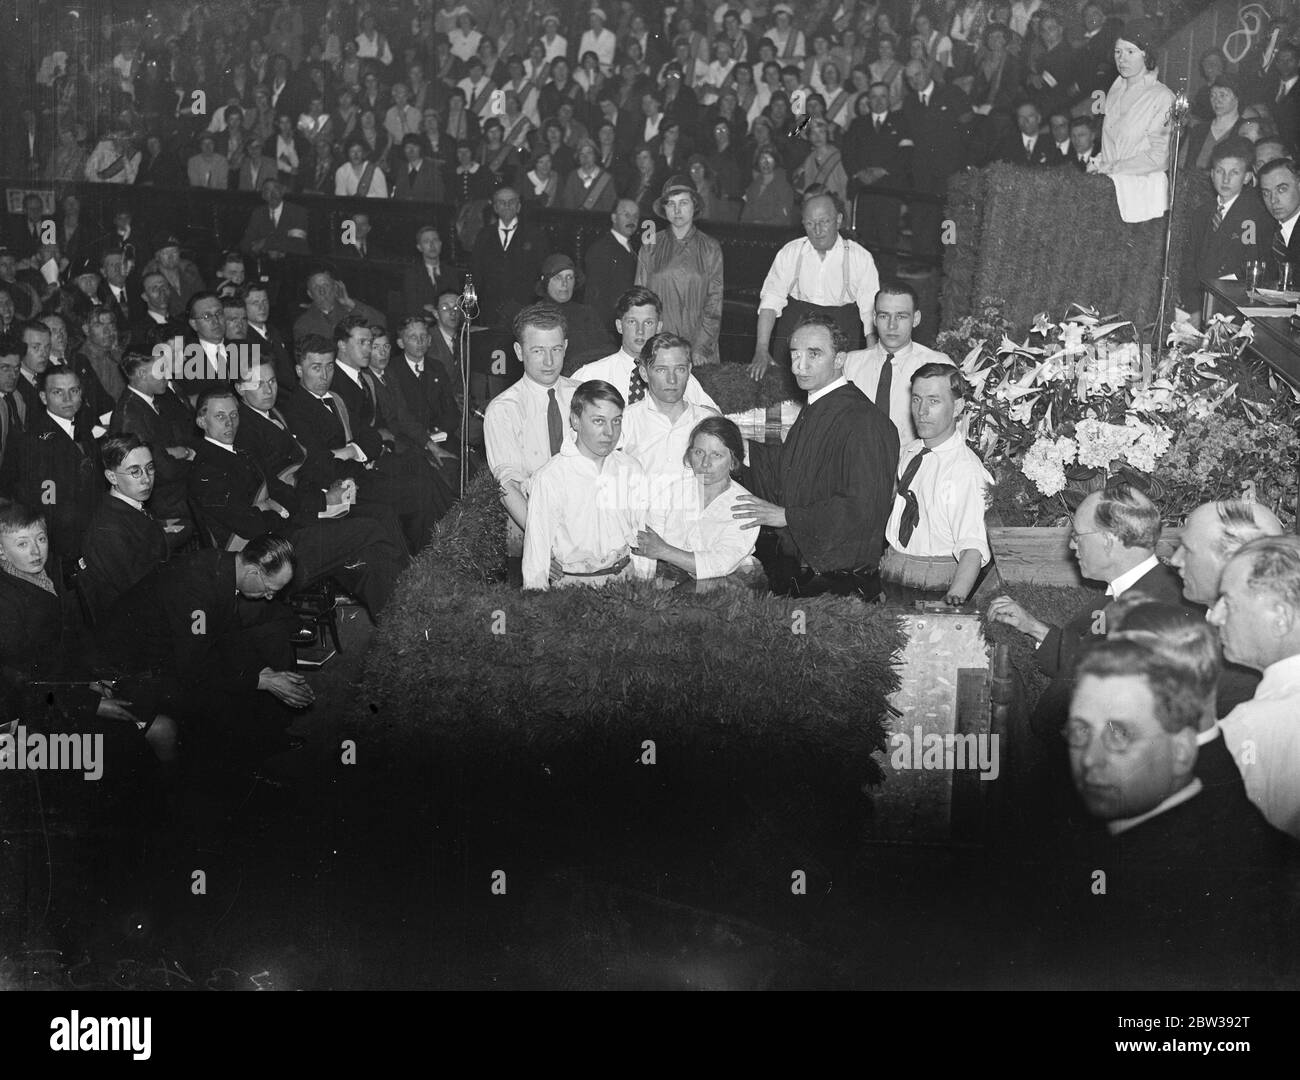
(1280, 253)
(1217, 220)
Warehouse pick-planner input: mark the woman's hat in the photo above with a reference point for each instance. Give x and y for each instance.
(675, 185)
(553, 265)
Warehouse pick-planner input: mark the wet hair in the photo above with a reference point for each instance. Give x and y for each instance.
(592, 391)
(659, 343)
(726, 432)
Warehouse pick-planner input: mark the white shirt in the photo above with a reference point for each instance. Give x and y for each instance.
(515, 430)
(66, 425)
(621, 240)
(218, 358)
(1129, 578)
(1263, 735)
(603, 44)
(657, 442)
(584, 515)
(862, 368)
(617, 371)
(216, 442)
(556, 46)
(949, 488)
(135, 503)
(710, 532)
(376, 48)
(347, 180)
(652, 127)
(821, 279)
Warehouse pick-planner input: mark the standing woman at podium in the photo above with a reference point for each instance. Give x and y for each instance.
(1136, 132)
(684, 268)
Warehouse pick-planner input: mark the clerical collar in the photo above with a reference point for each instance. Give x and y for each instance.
(817, 395)
(1179, 797)
(216, 442)
(66, 425)
(127, 499)
(351, 373)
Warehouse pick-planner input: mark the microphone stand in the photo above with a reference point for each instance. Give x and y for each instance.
(1177, 115)
(468, 308)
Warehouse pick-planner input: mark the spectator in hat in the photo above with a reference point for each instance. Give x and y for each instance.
(683, 267)
(553, 42)
(599, 39)
(559, 283)
(182, 276)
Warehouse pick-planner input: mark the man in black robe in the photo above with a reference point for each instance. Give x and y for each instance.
(829, 491)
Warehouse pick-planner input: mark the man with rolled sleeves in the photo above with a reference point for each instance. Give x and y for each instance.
(823, 272)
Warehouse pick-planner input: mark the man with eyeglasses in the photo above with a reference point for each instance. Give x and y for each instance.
(219, 362)
(823, 272)
(125, 541)
(1184, 882)
(506, 261)
(150, 410)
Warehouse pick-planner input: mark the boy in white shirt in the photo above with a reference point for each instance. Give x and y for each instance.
(587, 504)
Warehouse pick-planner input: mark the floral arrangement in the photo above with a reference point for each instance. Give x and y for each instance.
(1082, 400)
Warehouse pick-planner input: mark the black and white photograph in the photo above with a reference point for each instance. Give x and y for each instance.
(587, 495)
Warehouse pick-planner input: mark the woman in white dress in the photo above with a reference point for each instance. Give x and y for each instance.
(690, 526)
(1136, 133)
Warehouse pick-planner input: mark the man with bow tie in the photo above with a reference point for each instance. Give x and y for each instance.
(507, 261)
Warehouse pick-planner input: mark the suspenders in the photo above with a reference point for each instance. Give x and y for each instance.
(798, 266)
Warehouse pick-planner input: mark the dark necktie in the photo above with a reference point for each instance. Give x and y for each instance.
(414, 173)
(15, 421)
(912, 511)
(554, 424)
(505, 239)
(886, 383)
(1280, 253)
(329, 404)
(636, 388)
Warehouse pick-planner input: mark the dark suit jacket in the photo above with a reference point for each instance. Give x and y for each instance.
(274, 450)
(223, 486)
(363, 412)
(128, 313)
(418, 290)
(611, 271)
(288, 235)
(39, 640)
(1062, 63)
(63, 476)
(940, 136)
(1286, 113)
(1214, 253)
(1012, 150)
(320, 433)
(867, 148)
(171, 425)
(272, 345)
(10, 436)
(123, 545)
(432, 397)
(506, 279)
(428, 186)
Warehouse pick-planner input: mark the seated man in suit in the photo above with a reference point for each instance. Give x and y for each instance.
(278, 228)
(232, 496)
(1113, 536)
(341, 443)
(268, 339)
(125, 541)
(215, 362)
(1196, 883)
(58, 466)
(1279, 185)
(1085, 147)
(417, 178)
(116, 291)
(151, 411)
(154, 317)
(13, 408)
(428, 389)
(1029, 145)
(424, 281)
(1227, 236)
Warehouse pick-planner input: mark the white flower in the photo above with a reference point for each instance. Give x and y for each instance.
(1101, 443)
(1045, 461)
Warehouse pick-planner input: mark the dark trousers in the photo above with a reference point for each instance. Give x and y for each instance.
(789, 575)
(356, 552)
(877, 223)
(847, 317)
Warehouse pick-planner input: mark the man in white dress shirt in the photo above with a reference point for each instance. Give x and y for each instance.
(824, 272)
(936, 535)
(588, 503)
(1258, 617)
(637, 319)
(524, 425)
(884, 371)
(657, 429)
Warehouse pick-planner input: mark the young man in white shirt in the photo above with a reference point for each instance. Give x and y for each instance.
(657, 429)
(588, 503)
(936, 535)
(523, 426)
(637, 320)
(884, 371)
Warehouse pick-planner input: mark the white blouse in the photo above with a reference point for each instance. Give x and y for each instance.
(716, 539)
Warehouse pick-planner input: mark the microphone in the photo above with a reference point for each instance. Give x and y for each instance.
(469, 298)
